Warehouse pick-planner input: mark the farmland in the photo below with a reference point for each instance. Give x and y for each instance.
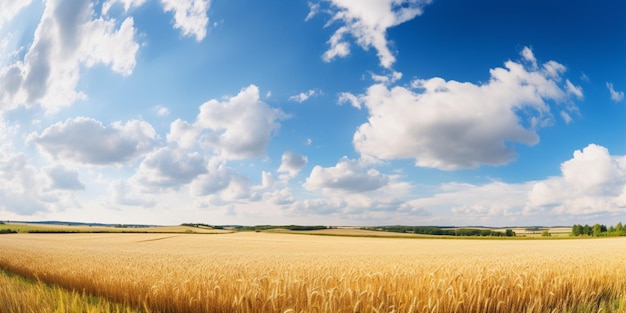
(279, 272)
(57, 228)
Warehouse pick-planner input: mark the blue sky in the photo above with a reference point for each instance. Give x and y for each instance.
(338, 112)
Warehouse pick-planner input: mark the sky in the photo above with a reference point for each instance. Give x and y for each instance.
(331, 112)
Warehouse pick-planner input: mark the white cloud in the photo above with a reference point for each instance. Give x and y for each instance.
(190, 16)
(292, 163)
(161, 110)
(88, 141)
(10, 8)
(566, 117)
(592, 181)
(64, 178)
(529, 56)
(170, 168)
(347, 176)
(593, 171)
(553, 69)
(66, 38)
(237, 127)
(350, 98)
(303, 96)
(616, 96)
(280, 197)
(384, 199)
(182, 134)
(450, 125)
(222, 182)
(367, 22)
(472, 203)
(387, 79)
(322, 206)
(123, 193)
(267, 180)
(313, 10)
(128, 4)
(217, 179)
(574, 90)
(27, 191)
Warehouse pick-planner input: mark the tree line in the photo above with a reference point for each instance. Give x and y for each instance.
(598, 230)
(434, 230)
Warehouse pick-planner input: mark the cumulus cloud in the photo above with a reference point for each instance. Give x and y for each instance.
(451, 125)
(592, 182)
(223, 182)
(592, 177)
(304, 96)
(170, 168)
(279, 197)
(267, 180)
(347, 176)
(65, 39)
(237, 127)
(88, 141)
(616, 96)
(183, 134)
(190, 16)
(292, 163)
(593, 171)
(25, 190)
(367, 22)
(64, 178)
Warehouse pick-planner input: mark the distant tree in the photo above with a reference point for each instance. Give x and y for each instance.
(546, 233)
(619, 228)
(577, 230)
(587, 230)
(611, 229)
(596, 230)
(509, 233)
(485, 232)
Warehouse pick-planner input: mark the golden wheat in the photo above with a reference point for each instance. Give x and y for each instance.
(262, 272)
(18, 295)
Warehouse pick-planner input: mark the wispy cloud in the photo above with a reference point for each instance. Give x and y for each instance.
(367, 22)
(616, 96)
(304, 96)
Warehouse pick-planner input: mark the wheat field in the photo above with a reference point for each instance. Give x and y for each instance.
(270, 272)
